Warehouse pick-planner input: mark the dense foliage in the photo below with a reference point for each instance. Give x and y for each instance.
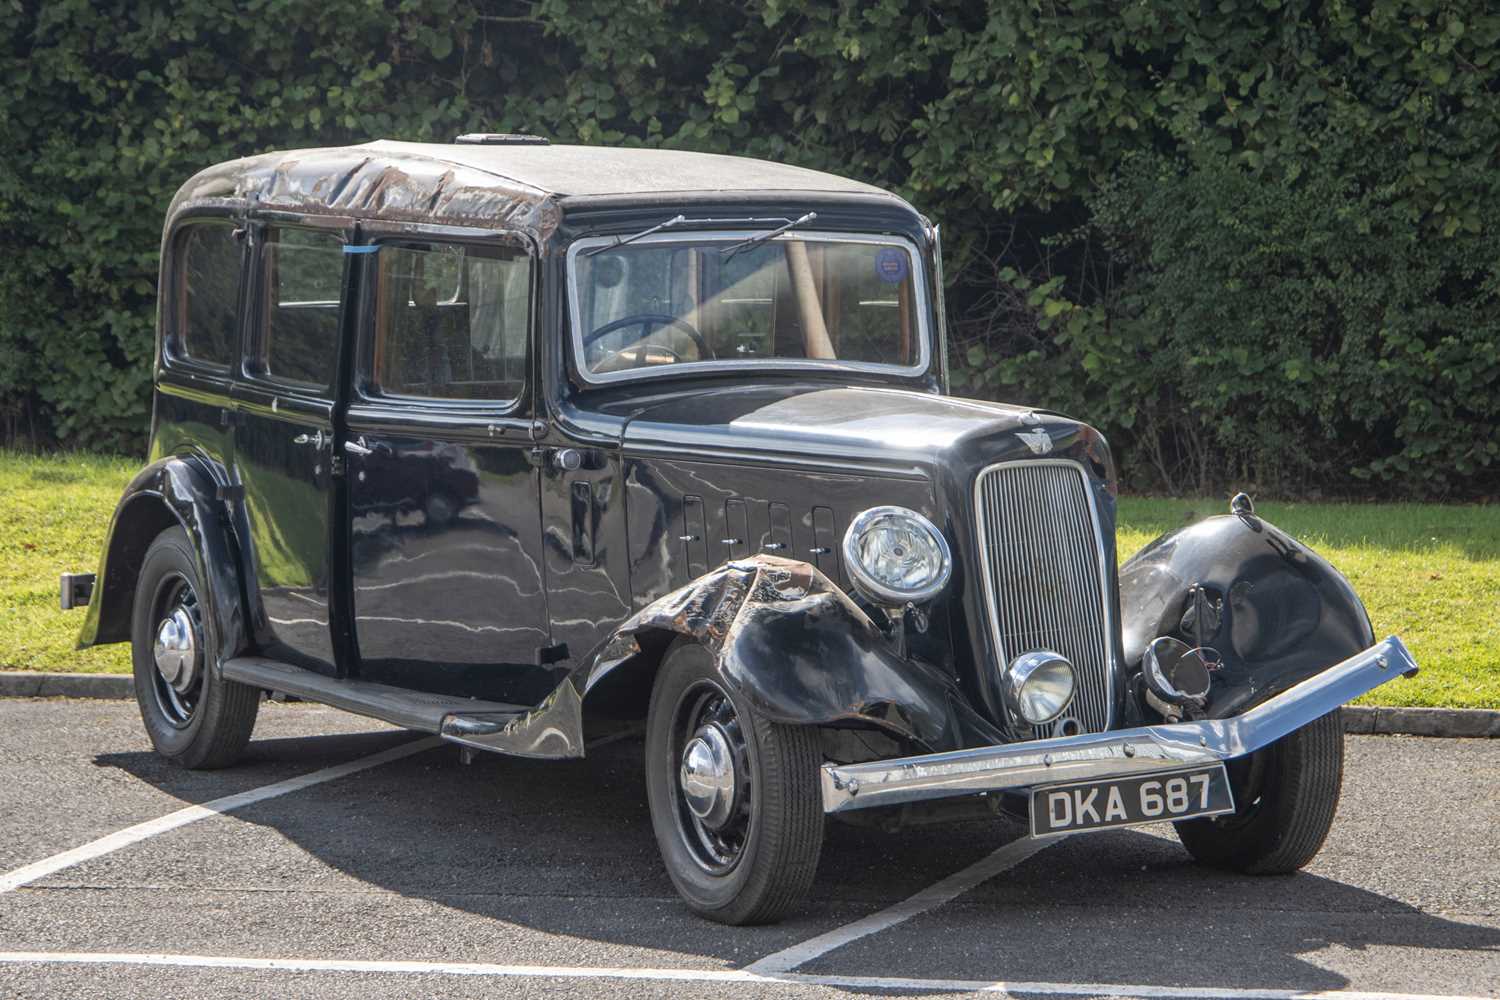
(1252, 241)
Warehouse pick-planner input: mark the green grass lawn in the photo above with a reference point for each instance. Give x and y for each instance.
(54, 510)
(1427, 572)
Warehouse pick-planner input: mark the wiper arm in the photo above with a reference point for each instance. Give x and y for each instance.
(757, 240)
(621, 241)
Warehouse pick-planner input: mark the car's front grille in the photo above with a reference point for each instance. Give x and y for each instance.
(1044, 575)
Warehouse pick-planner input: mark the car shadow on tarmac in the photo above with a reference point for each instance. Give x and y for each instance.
(265, 761)
(567, 848)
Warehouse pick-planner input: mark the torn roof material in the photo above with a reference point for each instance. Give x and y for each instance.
(522, 188)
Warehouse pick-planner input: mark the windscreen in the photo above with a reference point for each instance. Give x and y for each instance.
(714, 300)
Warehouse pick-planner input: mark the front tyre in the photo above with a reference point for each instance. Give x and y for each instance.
(194, 717)
(1286, 796)
(734, 798)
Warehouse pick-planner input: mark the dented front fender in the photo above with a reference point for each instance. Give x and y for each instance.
(802, 652)
(1275, 611)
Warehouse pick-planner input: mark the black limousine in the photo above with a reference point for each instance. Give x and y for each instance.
(526, 445)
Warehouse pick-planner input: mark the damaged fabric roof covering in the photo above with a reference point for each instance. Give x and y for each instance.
(517, 187)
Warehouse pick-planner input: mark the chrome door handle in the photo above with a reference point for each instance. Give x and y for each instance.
(561, 459)
(358, 447)
(316, 440)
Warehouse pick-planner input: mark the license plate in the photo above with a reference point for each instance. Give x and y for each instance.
(1148, 798)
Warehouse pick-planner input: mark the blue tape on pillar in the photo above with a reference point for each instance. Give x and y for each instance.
(362, 248)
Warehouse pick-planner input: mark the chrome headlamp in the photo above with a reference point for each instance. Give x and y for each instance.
(1038, 686)
(895, 556)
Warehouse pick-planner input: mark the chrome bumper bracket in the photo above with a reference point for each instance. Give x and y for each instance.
(1112, 754)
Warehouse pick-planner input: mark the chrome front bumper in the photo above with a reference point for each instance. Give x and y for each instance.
(1115, 754)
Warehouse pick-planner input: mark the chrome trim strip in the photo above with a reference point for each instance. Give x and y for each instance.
(941, 312)
(1117, 754)
(919, 287)
(992, 606)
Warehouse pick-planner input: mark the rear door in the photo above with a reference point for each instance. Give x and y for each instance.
(202, 275)
(445, 550)
(286, 403)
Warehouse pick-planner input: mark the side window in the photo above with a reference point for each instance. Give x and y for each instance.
(203, 324)
(302, 279)
(451, 321)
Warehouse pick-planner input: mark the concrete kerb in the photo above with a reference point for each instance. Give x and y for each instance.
(1451, 722)
(26, 684)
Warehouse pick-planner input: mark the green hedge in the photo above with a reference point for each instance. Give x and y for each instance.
(1253, 242)
(1277, 332)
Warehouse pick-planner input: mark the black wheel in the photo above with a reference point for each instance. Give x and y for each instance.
(734, 798)
(439, 510)
(194, 717)
(1285, 796)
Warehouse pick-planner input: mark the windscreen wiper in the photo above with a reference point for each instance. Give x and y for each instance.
(757, 240)
(621, 241)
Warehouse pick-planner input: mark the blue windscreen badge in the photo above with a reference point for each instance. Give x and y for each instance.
(891, 265)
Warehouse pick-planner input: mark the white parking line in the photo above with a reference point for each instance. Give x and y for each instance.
(1000, 987)
(933, 896)
(192, 814)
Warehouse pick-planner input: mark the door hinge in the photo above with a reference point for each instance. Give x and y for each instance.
(551, 654)
(336, 465)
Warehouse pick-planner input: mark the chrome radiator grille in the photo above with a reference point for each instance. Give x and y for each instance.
(1044, 575)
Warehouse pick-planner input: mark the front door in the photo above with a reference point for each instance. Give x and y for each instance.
(445, 551)
(284, 433)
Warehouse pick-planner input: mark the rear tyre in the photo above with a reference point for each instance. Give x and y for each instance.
(1286, 796)
(194, 717)
(439, 510)
(734, 797)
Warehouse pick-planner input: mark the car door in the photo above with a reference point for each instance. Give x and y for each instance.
(448, 590)
(285, 408)
(202, 275)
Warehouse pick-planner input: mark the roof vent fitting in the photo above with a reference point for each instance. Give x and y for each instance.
(500, 139)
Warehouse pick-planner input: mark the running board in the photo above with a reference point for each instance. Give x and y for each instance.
(553, 730)
(419, 710)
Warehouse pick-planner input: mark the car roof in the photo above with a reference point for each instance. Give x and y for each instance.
(595, 171)
(512, 185)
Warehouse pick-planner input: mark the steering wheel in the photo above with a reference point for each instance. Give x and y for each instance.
(646, 321)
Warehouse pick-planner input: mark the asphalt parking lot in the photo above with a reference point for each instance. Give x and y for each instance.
(414, 875)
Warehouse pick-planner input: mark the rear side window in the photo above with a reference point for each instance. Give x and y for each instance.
(302, 280)
(204, 327)
(451, 321)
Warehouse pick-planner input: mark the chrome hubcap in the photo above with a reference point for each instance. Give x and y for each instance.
(713, 786)
(707, 776)
(176, 650)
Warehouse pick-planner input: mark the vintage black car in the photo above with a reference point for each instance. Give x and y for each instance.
(526, 445)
